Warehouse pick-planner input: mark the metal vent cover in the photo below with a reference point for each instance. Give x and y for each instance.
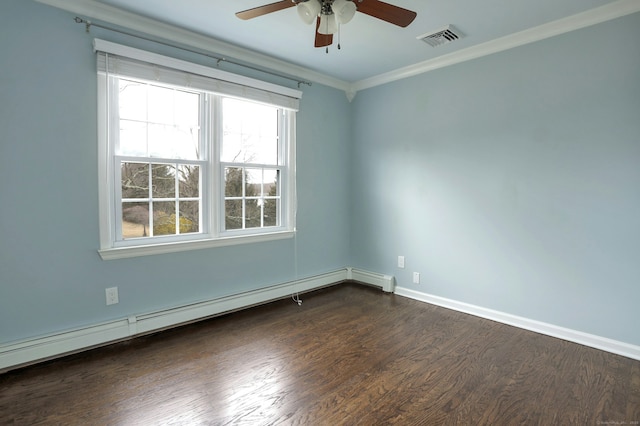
(442, 36)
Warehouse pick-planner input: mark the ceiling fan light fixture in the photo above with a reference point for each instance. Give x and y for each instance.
(330, 14)
(308, 11)
(344, 10)
(328, 24)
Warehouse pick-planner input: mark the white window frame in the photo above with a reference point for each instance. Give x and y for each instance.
(212, 225)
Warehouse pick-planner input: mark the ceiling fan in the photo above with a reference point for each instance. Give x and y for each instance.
(328, 14)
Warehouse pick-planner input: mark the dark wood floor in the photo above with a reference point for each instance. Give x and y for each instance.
(349, 355)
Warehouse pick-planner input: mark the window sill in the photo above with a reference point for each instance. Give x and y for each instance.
(152, 249)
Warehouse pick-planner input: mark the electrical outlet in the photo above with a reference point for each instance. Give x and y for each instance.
(400, 261)
(416, 277)
(112, 295)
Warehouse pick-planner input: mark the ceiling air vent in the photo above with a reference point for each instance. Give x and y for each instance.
(442, 36)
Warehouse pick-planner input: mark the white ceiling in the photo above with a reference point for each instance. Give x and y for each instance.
(369, 47)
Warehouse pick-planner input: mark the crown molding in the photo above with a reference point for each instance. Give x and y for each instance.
(99, 11)
(590, 17)
(105, 13)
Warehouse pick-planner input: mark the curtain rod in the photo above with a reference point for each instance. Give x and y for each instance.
(88, 24)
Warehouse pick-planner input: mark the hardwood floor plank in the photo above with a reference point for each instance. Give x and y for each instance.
(350, 355)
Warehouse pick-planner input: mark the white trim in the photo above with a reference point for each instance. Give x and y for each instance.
(27, 351)
(581, 20)
(105, 159)
(190, 67)
(586, 339)
(185, 314)
(290, 136)
(175, 247)
(113, 15)
(13, 355)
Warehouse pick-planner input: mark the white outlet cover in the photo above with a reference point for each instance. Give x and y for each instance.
(111, 295)
(400, 261)
(416, 277)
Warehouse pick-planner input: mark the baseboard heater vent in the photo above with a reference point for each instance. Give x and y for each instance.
(15, 354)
(386, 282)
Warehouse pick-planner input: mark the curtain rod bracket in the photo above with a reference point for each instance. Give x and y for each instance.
(87, 24)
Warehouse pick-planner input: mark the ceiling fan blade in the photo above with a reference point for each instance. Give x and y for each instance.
(387, 12)
(322, 40)
(267, 8)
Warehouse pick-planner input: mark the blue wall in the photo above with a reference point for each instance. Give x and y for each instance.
(511, 182)
(51, 277)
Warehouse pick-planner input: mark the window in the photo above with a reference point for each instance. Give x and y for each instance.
(158, 161)
(251, 165)
(190, 158)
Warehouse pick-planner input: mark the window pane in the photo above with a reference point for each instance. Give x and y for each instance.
(253, 179)
(233, 214)
(158, 121)
(164, 180)
(135, 180)
(187, 111)
(189, 216)
(253, 213)
(250, 132)
(271, 215)
(232, 109)
(173, 106)
(132, 100)
(232, 148)
(271, 182)
(233, 182)
(164, 218)
(167, 141)
(189, 181)
(135, 220)
(133, 138)
(188, 142)
(161, 105)
(268, 148)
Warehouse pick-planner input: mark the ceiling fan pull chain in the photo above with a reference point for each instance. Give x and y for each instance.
(326, 12)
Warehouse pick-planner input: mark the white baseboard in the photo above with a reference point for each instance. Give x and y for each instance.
(602, 343)
(16, 354)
